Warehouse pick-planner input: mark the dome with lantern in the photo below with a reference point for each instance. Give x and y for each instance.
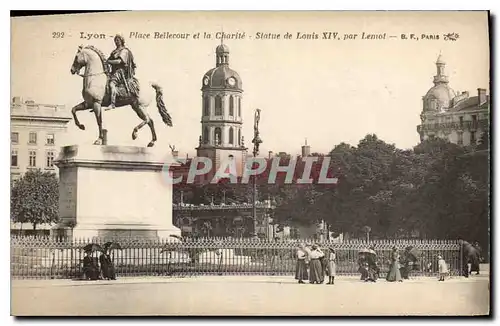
(222, 77)
(440, 96)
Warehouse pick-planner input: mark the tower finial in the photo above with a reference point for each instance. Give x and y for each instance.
(306, 141)
(440, 60)
(222, 37)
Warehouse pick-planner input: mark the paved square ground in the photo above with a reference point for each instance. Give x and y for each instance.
(250, 295)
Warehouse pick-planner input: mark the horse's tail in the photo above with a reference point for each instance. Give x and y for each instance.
(161, 105)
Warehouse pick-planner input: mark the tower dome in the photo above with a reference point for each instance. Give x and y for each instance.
(222, 49)
(440, 96)
(222, 76)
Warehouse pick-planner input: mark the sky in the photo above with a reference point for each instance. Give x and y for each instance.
(328, 91)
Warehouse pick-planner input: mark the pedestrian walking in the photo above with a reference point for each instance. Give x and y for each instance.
(331, 266)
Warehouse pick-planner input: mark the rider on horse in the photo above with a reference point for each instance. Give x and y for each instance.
(122, 69)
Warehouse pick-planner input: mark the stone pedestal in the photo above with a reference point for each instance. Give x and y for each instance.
(114, 191)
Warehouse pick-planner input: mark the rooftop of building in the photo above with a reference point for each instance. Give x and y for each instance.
(470, 103)
(30, 109)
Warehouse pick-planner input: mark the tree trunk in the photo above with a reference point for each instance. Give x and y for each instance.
(34, 226)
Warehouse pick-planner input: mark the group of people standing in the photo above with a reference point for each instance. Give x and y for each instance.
(92, 271)
(313, 264)
(319, 263)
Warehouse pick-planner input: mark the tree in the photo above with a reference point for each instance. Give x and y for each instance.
(35, 198)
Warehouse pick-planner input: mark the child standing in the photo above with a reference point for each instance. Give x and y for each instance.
(443, 268)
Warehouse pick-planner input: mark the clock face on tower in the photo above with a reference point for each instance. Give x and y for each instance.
(205, 81)
(231, 81)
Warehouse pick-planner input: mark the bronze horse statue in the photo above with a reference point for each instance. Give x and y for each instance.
(96, 93)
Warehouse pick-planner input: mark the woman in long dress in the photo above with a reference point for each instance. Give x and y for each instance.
(443, 268)
(316, 274)
(373, 269)
(331, 267)
(300, 267)
(394, 274)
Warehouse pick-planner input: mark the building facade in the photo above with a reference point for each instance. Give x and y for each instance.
(36, 130)
(221, 220)
(458, 117)
(221, 137)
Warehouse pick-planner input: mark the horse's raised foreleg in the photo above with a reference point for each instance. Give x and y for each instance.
(98, 116)
(142, 114)
(80, 107)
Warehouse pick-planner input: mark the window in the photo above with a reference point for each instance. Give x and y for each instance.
(460, 138)
(218, 106)
(206, 106)
(239, 136)
(231, 135)
(13, 158)
(32, 139)
(14, 137)
(239, 107)
(218, 136)
(461, 122)
(32, 159)
(231, 105)
(474, 121)
(50, 159)
(472, 137)
(50, 139)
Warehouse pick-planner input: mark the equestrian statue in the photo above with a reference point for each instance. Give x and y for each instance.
(112, 83)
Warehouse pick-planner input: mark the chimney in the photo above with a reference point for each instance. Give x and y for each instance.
(306, 150)
(481, 94)
(16, 100)
(175, 153)
(270, 154)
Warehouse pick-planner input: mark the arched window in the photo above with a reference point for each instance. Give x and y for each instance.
(239, 137)
(206, 106)
(231, 105)
(239, 107)
(218, 105)
(231, 135)
(205, 135)
(218, 136)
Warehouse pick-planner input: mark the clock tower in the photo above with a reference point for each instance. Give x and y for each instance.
(221, 137)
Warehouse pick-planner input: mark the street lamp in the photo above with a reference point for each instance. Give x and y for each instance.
(256, 142)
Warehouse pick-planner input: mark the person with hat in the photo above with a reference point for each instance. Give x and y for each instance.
(316, 274)
(443, 268)
(394, 275)
(331, 267)
(373, 269)
(90, 267)
(300, 266)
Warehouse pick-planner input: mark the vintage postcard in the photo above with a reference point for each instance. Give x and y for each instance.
(250, 163)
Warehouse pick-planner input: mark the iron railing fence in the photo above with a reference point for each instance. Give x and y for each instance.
(45, 258)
